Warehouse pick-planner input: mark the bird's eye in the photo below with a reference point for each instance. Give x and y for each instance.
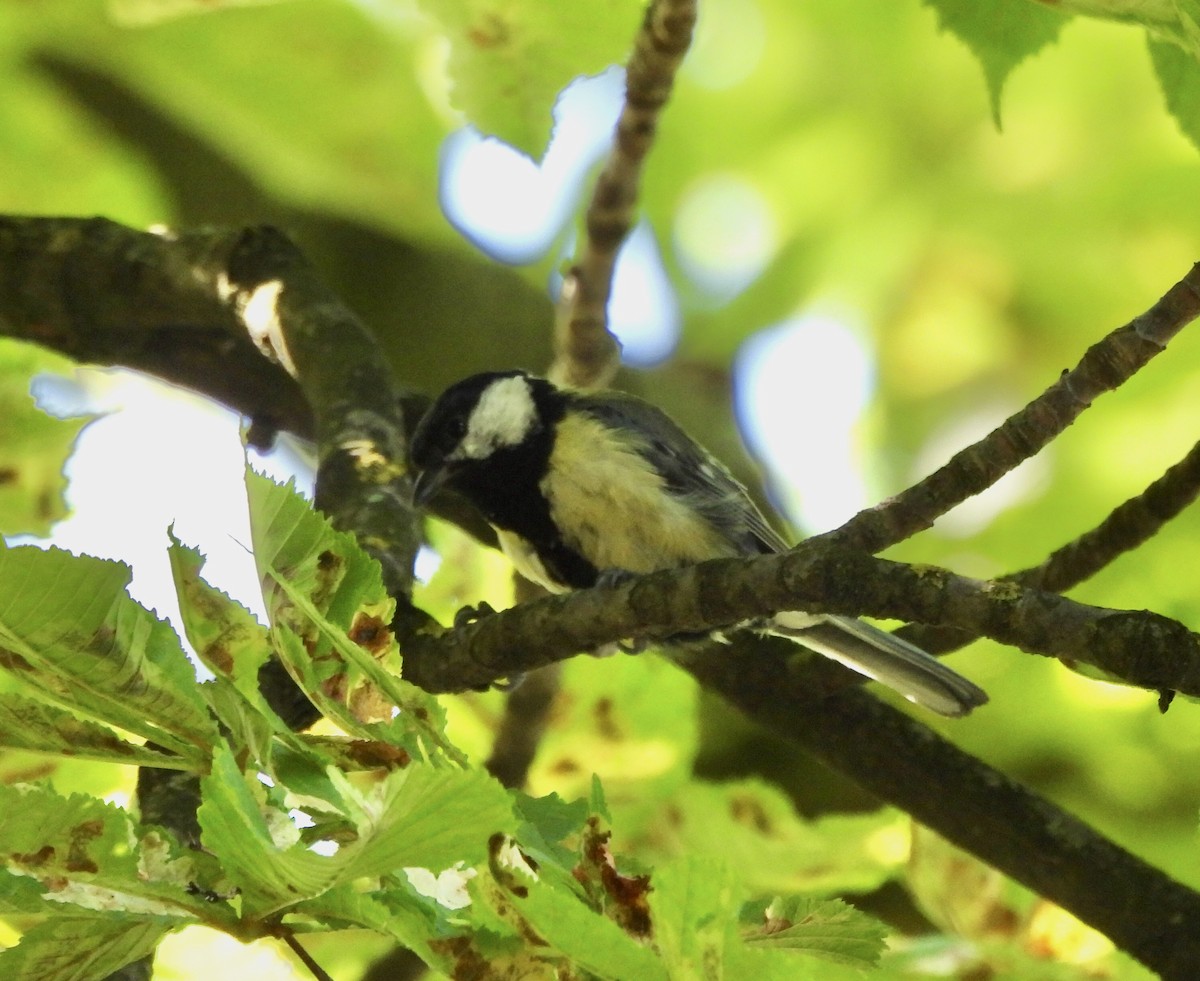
(457, 428)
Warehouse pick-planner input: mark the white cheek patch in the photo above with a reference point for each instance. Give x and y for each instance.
(504, 416)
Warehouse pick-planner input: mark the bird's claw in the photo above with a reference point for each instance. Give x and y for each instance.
(470, 614)
(509, 684)
(608, 578)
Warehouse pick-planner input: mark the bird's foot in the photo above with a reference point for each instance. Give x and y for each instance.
(470, 614)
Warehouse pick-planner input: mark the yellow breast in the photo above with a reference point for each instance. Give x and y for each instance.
(613, 508)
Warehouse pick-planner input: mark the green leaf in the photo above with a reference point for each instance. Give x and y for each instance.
(632, 721)
(1000, 33)
(546, 905)
(246, 726)
(1179, 76)
(548, 821)
(428, 818)
(418, 816)
(329, 614)
(742, 961)
(71, 632)
(234, 646)
(510, 60)
(87, 854)
(60, 159)
(142, 12)
(829, 928)
(392, 913)
(256, 841)
(34, 445)
(694, 902)
(40, 728)
(755, 828)
(223, 633)
(80, 949)
(21, 894)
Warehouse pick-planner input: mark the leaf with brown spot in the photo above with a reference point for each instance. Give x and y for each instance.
(135, 677)
(370, 633)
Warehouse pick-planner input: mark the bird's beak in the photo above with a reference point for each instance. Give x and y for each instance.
(429, 482)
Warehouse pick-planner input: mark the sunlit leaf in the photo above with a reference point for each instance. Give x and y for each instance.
(694, 902)
(86, 856)
(550, 906)
(30, 725)
(509, 61)
(755, 828)
(73, 949)
(1001, 33)
(141, 12)
(330, 617)
(1179, 74)
(69, 629)
(829, 928)
(416, 816)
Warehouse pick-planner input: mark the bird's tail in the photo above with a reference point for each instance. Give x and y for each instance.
(917, 675)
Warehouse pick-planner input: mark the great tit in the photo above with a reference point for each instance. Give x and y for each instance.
(581, 484)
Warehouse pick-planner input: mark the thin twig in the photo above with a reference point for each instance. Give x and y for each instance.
(526, 710)
(587, 353)
(318, 972)
(1129, 525)
(1106, 365)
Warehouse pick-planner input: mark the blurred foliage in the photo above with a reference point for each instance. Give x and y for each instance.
(975, 262)
(33, 445)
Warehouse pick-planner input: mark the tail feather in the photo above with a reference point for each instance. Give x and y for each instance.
(917, 675)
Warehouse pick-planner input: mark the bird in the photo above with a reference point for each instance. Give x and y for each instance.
(581, 486)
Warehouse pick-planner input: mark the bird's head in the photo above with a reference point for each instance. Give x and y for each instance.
(476, 420)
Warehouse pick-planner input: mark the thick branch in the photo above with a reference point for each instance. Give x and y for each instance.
(1142, 648)
(588, 354)
(226, 313)
(1106, 365)
(362, 480)
(1143, 911)
(105, 294)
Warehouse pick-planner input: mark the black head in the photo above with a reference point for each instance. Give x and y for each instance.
(475, 422)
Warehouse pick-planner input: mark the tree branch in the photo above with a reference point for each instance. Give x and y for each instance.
(903, 762)
(1142, 648)
(1129, 525)
(362, 475)
(167, 303)
(587, 354)
(1105, 366)
(104, 294)
(1142, 910)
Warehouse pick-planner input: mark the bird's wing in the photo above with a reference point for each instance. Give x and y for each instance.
(689, 471)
